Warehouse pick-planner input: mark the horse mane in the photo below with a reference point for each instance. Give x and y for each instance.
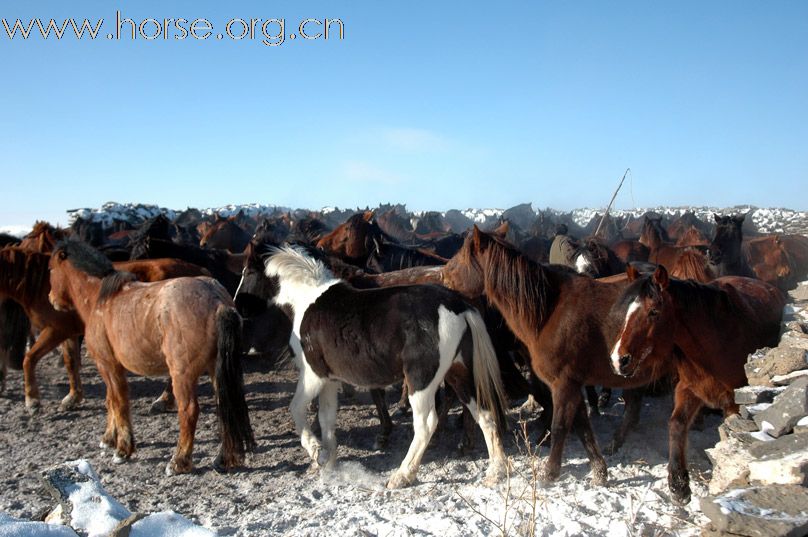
(25, 272)
(90, 261)
(522, 284)
(691, 296)
(8, 240)
(692, 265)
(293, 263)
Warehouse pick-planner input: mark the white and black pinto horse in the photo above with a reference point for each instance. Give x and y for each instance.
(372, 338)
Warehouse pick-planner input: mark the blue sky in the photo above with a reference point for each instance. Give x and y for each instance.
(434, 104)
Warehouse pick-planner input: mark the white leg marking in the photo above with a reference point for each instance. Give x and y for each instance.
(634, 306)
(496, 454)
(309, 386)
(581, 264)
(328, 423)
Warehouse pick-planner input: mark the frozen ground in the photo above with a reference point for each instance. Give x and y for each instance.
(277, 494)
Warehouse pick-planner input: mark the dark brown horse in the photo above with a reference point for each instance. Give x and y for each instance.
(711, 329)
(182, 327)
(225, 234)
(547, 308)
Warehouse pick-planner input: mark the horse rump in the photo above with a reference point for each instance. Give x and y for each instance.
(234, 420)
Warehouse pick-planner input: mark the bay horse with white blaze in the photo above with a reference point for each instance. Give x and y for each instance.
(372, 338)
(709, 328)
(563, 319)
(184, 327)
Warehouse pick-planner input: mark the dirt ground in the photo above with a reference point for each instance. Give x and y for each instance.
(243, 503)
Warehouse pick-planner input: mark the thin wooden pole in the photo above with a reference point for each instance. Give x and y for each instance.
(603, 218)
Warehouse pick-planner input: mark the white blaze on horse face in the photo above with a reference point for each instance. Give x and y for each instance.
(581, 264)
(633, 307)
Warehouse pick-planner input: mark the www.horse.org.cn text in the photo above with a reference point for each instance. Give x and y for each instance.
(271, 32)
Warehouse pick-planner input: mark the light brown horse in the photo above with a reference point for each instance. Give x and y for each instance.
(693, 236)
(563, 320)
(24, 278)
(711, 329)
(183, 327)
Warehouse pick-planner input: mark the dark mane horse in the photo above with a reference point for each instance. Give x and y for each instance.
(225, 234)
(546, 307)
(710, 328)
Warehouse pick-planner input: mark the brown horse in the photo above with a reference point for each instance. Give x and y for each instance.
(563, 320)
(184, 327)
(693, 265)
(225, 234)
(661, 251)
(711, 329)
(24, 278)
(693, 237)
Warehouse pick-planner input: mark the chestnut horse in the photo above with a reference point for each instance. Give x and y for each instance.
(184, 327)
(24, 278)
(563, 319)
(225, 234)
(421, 334)
(710, 328)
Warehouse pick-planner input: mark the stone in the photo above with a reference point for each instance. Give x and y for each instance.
(779, 361)
(786, 410)
(730, 459)
(783, 461)
(801, 426)
(799, 294)
(780, 510)
(784, 380)
(735, 425)
(750, 411)
(751, 395)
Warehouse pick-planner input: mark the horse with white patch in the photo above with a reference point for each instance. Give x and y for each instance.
(372, 338)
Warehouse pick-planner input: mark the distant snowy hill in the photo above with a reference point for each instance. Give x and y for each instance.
(771, 220)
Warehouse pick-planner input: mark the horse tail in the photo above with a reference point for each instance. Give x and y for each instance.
(487, 380)
(14, 330)
(234, 420)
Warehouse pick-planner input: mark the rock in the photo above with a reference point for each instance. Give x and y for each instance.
(786, 410)
(751, 395)
(749, 411)
(801, 426)
(734, 425)
(783, 461)
(760, 511)
(784, 380)
(777, 361)
(730, 460)
(800, 293)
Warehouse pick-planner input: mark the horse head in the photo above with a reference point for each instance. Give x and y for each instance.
(645, 312)
(725, 247)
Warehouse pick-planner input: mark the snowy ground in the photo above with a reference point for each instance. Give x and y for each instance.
(278, 494)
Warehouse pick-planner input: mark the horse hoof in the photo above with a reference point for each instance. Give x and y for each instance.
(531, 406)
(119, 458)
(398, 481)
(323, 458)
(548, 475)
(494, 476)
(160, 406)
(381, 442)
(174, 468)
(33, 406)
(70, 402)
(600, 477)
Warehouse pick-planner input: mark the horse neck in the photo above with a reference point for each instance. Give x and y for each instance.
(83, 290)
(23, 278)
(694, 319)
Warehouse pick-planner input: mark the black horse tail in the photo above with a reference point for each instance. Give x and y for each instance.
(14, 331)
(234, 420)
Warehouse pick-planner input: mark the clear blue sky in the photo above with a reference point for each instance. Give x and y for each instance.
(433, 104)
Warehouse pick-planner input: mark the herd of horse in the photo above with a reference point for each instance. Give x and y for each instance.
(376, 301)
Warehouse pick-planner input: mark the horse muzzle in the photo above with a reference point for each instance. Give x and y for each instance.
(622, 365)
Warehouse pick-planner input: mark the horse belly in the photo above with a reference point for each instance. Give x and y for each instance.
(354, 360)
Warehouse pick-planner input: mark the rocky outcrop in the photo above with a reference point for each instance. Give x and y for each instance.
(759, 484)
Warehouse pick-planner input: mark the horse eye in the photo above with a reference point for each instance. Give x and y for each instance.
(653, 313)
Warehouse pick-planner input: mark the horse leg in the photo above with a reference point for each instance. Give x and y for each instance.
(631, 416)
(118, 388)
(604, 397)
(583, 428)
(308, 387)
(46, 342)
(187, 412)
(424, 423)
(166, 402)
(71, 353)
(497, 463)
(110, 436)
(592, 400)
(327, 414)
(403, 407)
(686, 406)
(384, 417)
(566, 399)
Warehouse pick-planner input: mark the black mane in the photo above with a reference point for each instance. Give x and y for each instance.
(85, 258)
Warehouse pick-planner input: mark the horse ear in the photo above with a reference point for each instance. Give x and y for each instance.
(475, 237)
(739, 218)
(368, 216)
(503, 229)
(717, 218)
(661, 277)
(632, 272)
